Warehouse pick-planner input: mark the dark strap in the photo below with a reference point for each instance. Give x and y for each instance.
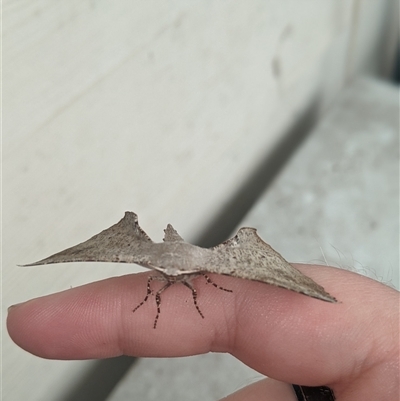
(305, 393)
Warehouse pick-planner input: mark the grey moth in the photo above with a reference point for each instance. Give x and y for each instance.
(245, 256)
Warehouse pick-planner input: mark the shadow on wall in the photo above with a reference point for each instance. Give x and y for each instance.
(235, 209)
(396, 69)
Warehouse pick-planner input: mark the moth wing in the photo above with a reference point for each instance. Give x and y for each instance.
(123, 242)
(171, 235)
(247, 256)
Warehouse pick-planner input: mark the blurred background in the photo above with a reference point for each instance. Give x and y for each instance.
(281, 115)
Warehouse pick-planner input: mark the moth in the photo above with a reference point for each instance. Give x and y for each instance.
(245, 256)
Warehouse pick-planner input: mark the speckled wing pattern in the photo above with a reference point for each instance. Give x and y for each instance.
(124, 242)
(245, 256)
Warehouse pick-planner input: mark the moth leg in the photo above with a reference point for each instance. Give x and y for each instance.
(149, 292)
(194, 295)
(215, 285)
(158, 301)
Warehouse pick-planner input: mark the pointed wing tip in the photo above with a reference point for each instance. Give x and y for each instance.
(323, 296)
(168, 229)
(245, 237)
(171, 235)
(247, 229)
(248, 233)
(31, 264)
(330, 299)
(333, 300)
(131, 215)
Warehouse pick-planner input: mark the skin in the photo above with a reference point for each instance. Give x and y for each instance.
(351, 347)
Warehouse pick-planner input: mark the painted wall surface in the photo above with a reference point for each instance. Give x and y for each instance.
(162, 108)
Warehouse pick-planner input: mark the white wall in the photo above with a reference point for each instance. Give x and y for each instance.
(158, 107)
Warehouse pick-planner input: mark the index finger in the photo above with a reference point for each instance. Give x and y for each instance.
(281, 334)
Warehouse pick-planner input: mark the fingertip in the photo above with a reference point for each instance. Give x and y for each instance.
(15, 323)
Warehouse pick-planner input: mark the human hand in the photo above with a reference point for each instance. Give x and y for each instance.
(351, 347)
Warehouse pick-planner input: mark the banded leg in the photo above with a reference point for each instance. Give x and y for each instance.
(194, 295)
(149, 292)
(215, 285)
(158, 300)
